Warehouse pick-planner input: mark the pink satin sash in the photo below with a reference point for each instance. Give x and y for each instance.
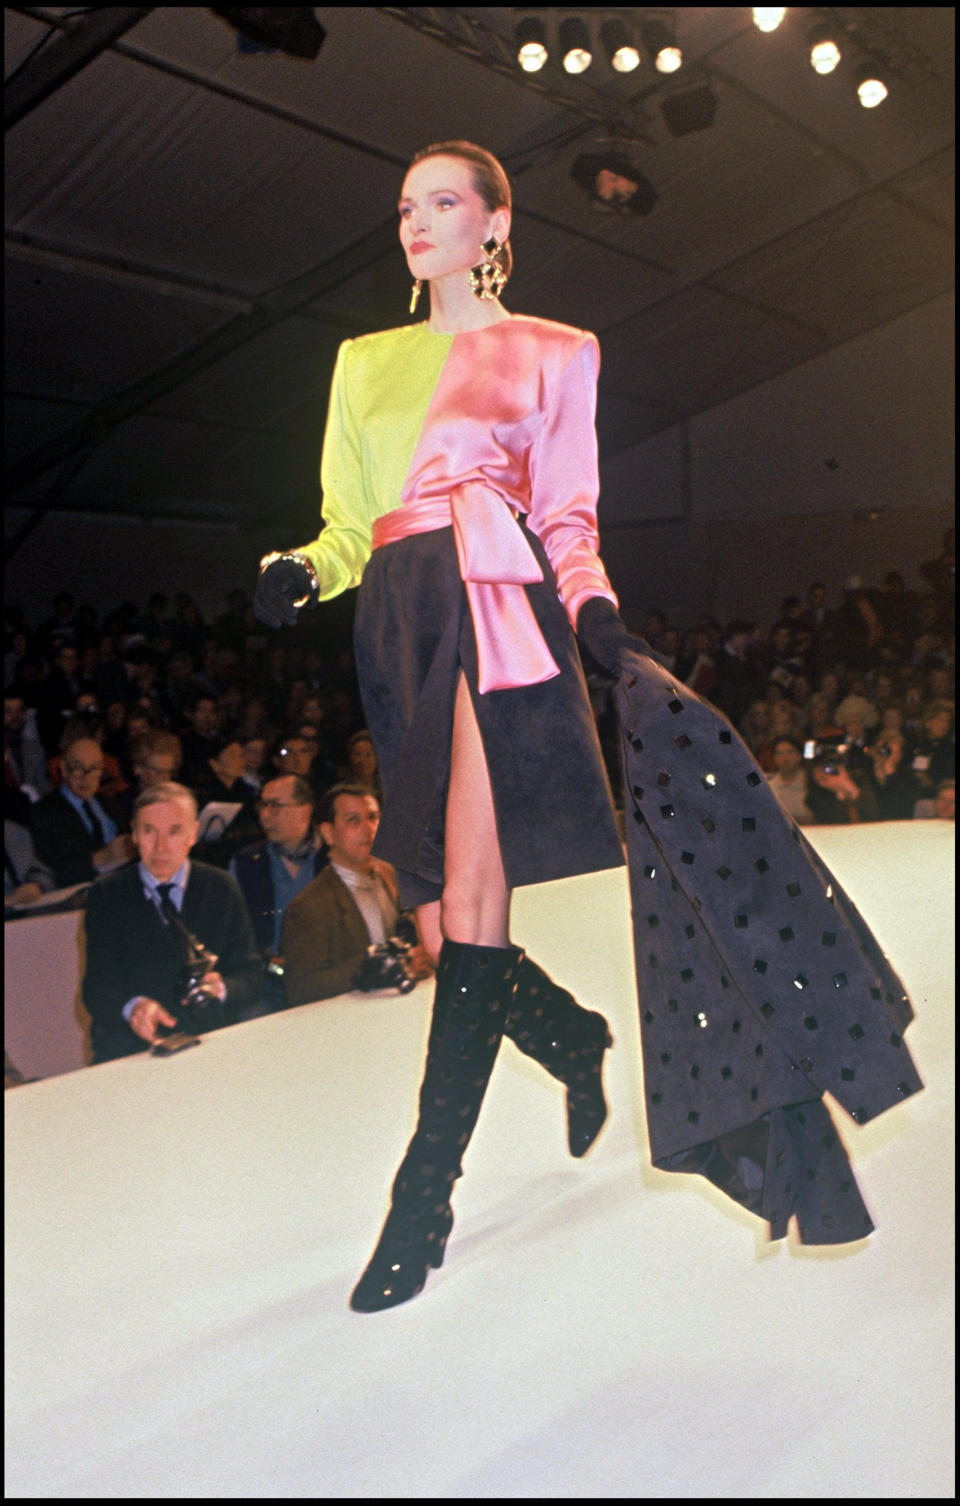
(496, 562)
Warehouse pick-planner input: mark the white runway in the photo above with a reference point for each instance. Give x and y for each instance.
(183, 1235)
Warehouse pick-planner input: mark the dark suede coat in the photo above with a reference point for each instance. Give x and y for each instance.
(760, 986)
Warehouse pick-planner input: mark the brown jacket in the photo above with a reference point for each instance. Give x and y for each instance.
(325, 937)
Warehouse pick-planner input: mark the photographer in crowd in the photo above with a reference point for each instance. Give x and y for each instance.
(273, 872)
(838, 794)
(351, 906)
(168, 940)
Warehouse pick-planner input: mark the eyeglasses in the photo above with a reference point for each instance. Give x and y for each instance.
(280, 805)
(80, 768)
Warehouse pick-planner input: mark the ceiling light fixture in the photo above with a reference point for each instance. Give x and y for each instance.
(622, 55)
(871, 88)
(824, 50)
(575, 45)
(768, 17)
(531, 43)
(660, 41)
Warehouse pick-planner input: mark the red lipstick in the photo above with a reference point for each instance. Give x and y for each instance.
(419, 246)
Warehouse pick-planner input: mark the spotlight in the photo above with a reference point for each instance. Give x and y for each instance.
(531, 43)
(689, 110)
(575, 45)
(614, 183)
(622, 56)
(659, 40)
(870, 86)
(824, 50)
(293, 29)
(768, 17)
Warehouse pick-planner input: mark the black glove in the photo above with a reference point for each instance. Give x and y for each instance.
(279, 585)
(605, 635)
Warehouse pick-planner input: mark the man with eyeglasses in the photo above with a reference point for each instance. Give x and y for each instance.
(273, 872)
(78, 831)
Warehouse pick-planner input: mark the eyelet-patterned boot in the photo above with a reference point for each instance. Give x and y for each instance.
(474, 994)
(548, 1024)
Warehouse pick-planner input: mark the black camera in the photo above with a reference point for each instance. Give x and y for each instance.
(383, 967)
(200, 1006)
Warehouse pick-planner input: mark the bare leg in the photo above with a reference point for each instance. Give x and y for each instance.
(428, 924)
(475, 907)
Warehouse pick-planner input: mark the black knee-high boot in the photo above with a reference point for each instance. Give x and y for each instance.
(474, 995)
(548, 1024)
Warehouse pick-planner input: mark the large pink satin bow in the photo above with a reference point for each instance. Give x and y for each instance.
(496, 562)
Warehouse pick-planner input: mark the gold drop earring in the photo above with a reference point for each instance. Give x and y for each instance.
(415, 295)
(488, 277)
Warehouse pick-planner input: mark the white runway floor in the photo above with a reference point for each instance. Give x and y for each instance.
(183, 1235)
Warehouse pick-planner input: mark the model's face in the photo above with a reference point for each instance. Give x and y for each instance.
(350, 835)
(164, 834)
(443, 220)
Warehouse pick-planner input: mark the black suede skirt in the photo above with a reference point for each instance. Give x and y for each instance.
(413, 636)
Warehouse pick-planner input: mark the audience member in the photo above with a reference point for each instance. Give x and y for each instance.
(940, 574)
(58, 695)
(86, 722)
(200, 740)
(24, 753)
(897, 610)
(323, 772)
(78, 831)
(698, 666)
(363, 762)
(137, 983)
(933, 753)
(254, 746)
(329, 928)
(855, 704)
(893, 778)
(224, 784)
(25, 878)
(835, 797)
(273, 872)
(859, 629)
(786, 720)
(155, 758)
(945, 801)
(790, 779)
(739, 679)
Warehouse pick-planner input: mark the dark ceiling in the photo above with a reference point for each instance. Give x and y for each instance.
(192, 230)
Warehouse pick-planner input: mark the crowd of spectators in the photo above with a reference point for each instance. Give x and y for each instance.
(847, 705)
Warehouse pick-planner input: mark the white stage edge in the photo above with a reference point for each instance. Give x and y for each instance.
(183, 1235)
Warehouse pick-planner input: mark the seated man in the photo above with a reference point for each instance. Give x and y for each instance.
(77, 830)
(140, 925)
(352, 905)
(273, 872)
